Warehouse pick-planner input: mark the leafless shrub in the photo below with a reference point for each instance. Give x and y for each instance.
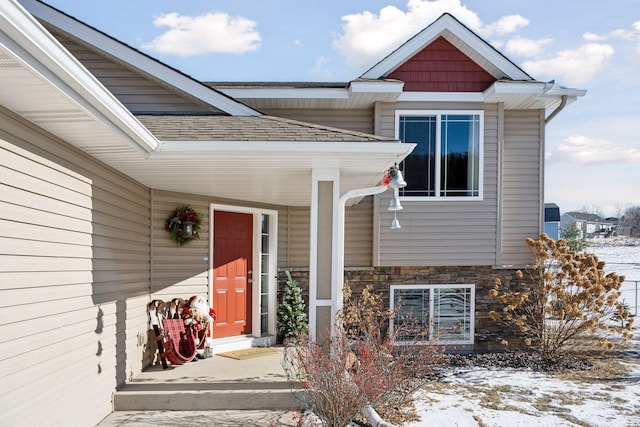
(568, 294)
(359, 365)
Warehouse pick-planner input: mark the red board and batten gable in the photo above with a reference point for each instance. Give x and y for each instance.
(441, 67)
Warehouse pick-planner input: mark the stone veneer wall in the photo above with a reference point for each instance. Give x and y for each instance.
(489, 335)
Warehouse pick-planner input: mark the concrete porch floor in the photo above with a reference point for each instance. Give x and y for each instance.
(218, 391)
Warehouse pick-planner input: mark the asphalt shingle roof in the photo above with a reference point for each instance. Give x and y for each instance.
(247, 128)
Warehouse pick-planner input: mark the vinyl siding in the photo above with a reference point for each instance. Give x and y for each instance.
(358, 234)
(360, 120)
(522, 199)
(178, 271)
(139, 93)
(294, 233)
(442, 233)
(74, 279)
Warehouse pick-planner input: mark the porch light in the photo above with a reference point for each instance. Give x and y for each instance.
(187, 229)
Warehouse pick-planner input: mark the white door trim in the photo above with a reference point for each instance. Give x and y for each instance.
(272, 284)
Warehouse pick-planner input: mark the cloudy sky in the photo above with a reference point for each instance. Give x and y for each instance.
(593, 146)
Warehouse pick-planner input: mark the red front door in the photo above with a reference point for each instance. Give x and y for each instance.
(232, 264)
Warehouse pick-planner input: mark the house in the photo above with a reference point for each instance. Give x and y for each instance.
(475, 179)
(552, 220)
(590, 225)
(100, 144)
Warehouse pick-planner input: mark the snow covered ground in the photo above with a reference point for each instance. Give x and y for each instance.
(483, 397)
(478, 397)
(622, 256)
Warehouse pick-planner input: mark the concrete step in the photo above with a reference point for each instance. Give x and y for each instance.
(206, 397)
(214, 383)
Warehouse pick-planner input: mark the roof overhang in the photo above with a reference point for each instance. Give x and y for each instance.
(264, 171)
(45, 85)
(136, 59)
(530, 94)
(352, 95)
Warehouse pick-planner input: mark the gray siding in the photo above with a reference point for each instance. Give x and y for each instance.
(74, 280)
(442, 233)
(522, 198)
(358, 234)
(294, 234)
(360, 120)
(137, 92)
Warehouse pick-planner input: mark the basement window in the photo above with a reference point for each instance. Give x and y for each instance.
(441, 313)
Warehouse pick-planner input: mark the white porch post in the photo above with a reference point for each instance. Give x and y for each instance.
(323, 291)
(326, 252)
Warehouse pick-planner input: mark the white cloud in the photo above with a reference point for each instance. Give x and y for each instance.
(580, 149)
(505, 25)
(209, 33)
(320, 69)
(593, 37)
(367, 36)
(520, 46)
(615, 34)
(573, 66)
(298, 42)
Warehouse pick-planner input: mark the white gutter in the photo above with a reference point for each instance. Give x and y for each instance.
(196, 149)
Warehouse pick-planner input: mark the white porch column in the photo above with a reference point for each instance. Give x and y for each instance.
(323, 288)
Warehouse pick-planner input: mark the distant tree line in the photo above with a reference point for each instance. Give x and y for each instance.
(631, 220)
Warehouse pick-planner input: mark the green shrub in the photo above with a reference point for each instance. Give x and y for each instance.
(292, 316)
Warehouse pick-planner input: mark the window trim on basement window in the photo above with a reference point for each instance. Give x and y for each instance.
(438, 115)
(431, 288)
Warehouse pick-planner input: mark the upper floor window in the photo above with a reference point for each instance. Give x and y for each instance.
(447, 161)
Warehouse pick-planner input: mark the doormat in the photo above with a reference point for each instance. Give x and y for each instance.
(249, 353)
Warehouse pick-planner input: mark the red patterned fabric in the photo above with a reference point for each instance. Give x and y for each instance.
(181, 344)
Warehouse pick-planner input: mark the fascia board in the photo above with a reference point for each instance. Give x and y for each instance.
(182, 149)
(571, 92)
(286, 93)
(515, 88)
(426, 36)
(138, 59)
(380, 86)
(540, 89)
(39, 51)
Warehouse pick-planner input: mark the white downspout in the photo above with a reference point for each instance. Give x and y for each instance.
(338, 279)
(563, 103)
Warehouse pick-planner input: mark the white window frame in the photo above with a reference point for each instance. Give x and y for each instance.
(472, 306)
(438, 115)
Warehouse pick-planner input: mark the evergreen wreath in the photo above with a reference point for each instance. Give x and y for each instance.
(175, 222)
